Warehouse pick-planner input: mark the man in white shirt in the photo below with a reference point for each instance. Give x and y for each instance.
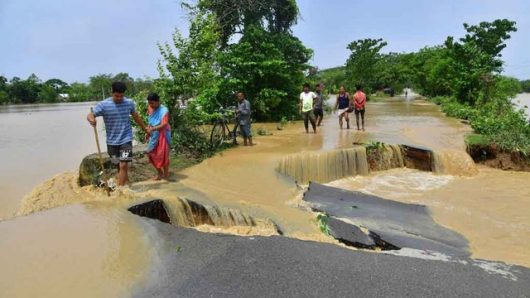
(306, 108)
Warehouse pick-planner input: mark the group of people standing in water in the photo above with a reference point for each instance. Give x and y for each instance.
(117, 110)
(311, 107)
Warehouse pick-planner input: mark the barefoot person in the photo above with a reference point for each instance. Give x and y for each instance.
(160, 136)
(306, 108)
(318, 108)
(359, 101)
(342, 105)
(116, 112)
(243, 115)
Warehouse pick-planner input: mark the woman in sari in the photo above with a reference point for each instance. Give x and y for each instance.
(159, 136)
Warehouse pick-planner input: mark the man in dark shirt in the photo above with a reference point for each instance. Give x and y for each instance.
(243, 114)
(318, 108)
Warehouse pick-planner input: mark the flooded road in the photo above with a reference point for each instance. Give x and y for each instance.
(489, 209)
(40, 141)
(486, 206)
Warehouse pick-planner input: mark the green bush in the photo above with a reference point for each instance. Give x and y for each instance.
(496, 121)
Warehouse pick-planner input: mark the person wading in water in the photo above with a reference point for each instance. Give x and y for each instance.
(116, 112)
(359, 101)
(306, 108)
(342, 105)
(243, 115)
(318, 108)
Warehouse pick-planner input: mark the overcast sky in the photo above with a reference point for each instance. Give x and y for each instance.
(75, 39)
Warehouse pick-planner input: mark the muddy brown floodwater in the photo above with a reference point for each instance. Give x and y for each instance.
(489, 207)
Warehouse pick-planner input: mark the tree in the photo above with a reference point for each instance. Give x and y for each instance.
(4, 90)
(332, 78)
(476, 57)
(48, 94)
(125, 78)
(393, 71)
(267, 62)
(58, 85)
(79, 92)
(361, 65)
(525, 86)
(25, 91)
(233, 16)
(269, 68)
(100, 86)
(430, 71)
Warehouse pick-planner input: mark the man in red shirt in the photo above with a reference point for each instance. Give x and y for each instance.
(359, 99)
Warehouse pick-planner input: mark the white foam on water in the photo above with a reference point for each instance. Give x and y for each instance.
(394, 183)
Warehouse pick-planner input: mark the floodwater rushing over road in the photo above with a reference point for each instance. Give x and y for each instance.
(486, 206)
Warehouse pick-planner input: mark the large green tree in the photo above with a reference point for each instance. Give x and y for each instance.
(361, 66)
(269, 68)
(475, 59)
(235, 46)
(234, 16)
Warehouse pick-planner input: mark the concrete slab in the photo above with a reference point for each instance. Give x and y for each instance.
(395, 223)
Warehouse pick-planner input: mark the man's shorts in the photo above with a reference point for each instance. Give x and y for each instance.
(120, 153)
(318, 113)
(361, 111)
(245, 130)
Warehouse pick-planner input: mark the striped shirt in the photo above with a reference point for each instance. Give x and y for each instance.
(117, 119)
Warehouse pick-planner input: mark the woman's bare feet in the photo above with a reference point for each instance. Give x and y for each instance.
(159, 175)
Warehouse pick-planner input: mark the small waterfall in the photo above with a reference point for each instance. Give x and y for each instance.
(229, 217)
(187, 213)
(453, 162)
(325, 166)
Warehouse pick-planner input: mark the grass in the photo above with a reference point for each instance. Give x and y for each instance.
(477, 139)
(375, 145)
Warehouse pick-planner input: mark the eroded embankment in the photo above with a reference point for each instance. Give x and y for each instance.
(492, 156)
(206, 218)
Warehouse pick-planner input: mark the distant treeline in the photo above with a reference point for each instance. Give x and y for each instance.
(34, 90)
(525, 86)
(463, 75)
(333, 77)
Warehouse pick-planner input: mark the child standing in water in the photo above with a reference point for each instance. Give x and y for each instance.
(342, 105)
(306, 108)
(359, 101)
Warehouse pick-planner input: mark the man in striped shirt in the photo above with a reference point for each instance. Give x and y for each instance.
(116, 112)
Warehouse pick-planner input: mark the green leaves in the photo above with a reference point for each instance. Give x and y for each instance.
(361, 66)
(322, 220)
